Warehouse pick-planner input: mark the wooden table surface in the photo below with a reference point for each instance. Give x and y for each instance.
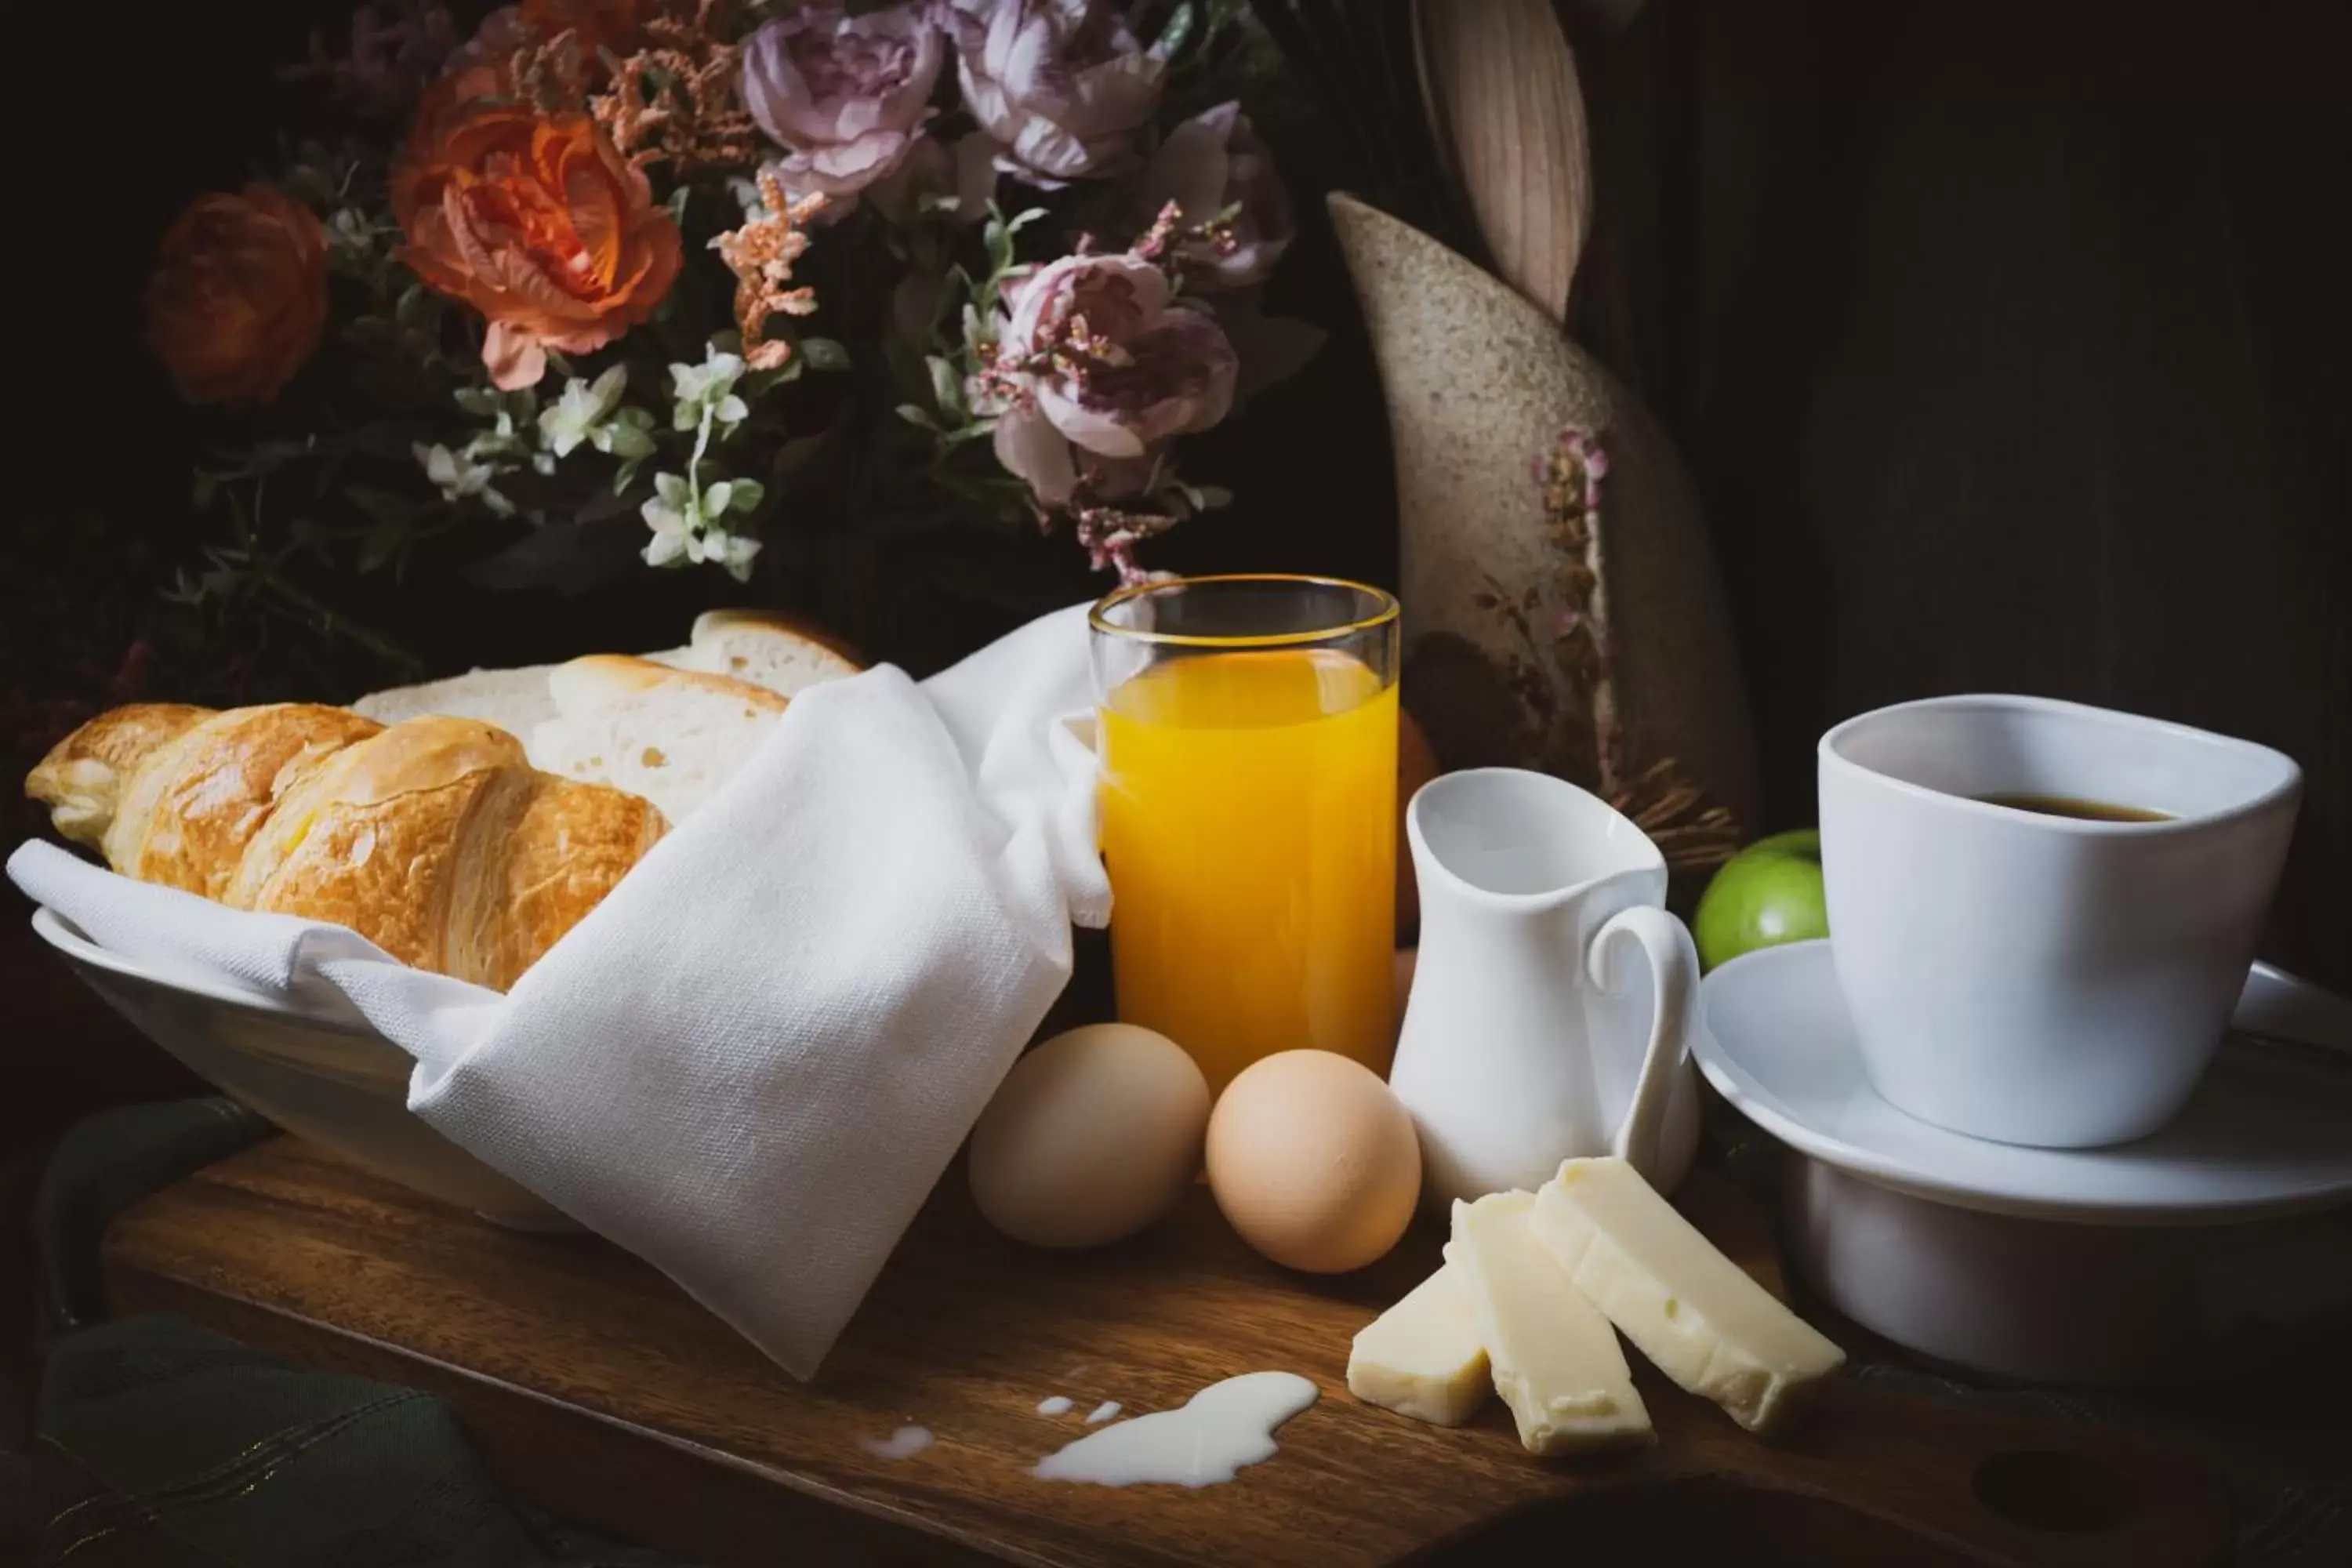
(598, 1389)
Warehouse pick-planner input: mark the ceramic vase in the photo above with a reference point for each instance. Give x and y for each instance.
(1562, 608)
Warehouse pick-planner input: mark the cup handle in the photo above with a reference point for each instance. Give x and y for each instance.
(1673, 982)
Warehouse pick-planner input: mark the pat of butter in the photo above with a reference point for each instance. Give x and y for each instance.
(1555, 1359)
(1692, 1310)
(1423, 1357)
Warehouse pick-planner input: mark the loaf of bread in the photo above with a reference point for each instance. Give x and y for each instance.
(780, 652)
(434, 838)
(785, 655)
(671, 735)
(515, 700)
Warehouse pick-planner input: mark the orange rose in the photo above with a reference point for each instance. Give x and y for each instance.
(536, 222)
(597, 24)
(239, 296)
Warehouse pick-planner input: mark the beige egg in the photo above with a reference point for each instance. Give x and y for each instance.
(1314, 1160)
(1091, 1137)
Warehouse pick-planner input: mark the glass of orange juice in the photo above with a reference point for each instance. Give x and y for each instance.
(1248, 737)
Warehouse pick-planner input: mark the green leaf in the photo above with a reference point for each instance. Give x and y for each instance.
(915, 414)
(1177, 33)
(382, 506)
(624, 440)
(825, 353)
(416, 307)
(745, 496)
(947, 386)
(378, 546)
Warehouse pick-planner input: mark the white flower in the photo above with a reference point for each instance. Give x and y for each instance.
(670, 541)
(734, 553)
(459, 477)
(575, 415)
(708, 388)
(350, 238)
(690, 526)
(747, 196)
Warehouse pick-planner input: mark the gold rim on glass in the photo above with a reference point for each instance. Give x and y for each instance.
(1385, 611)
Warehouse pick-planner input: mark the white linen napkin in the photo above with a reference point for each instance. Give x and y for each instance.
(751, 1062)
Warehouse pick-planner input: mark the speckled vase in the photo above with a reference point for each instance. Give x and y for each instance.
(1562, 608)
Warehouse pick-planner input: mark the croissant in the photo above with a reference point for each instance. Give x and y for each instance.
(434, 838)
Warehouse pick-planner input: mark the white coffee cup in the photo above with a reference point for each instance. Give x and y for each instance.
(2034, 978)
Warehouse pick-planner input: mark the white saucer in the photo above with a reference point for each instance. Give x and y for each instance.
(2269, 1133)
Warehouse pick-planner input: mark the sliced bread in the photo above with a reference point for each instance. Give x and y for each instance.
(671, 735)
(772, 650)
(515, 700)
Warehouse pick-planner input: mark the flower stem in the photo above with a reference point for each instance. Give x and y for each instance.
(325, 618)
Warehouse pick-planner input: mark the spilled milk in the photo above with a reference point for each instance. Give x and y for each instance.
(904, 1444)
(1219, 1430)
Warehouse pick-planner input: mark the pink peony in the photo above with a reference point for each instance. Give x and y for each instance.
(1062, 84)
(1213, 162)
(1098, 368)
(844, 95)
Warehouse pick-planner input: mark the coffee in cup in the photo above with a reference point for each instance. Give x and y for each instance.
(2019, 966)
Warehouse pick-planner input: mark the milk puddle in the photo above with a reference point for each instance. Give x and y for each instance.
(904, 1444)
(1219, 1430)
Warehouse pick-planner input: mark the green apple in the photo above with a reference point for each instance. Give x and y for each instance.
(1768, 893)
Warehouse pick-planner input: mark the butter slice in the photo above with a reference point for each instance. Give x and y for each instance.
(1423, 1357)
(1699, 1316)
(1555, 1358)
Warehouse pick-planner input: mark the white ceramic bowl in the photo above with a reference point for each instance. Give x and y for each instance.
(2054, 1302)
(2210, 1246)
(324, 1076)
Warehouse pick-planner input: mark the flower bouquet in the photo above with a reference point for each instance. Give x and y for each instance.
(729, 281)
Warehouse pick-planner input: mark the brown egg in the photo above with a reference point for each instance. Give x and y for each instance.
(1314, 1160)
(1091, 1137)
(1416, 765)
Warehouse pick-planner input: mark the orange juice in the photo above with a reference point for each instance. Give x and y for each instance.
(1249, 827)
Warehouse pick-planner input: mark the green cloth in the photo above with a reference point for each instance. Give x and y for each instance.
(103, 1166)
(162, 1445)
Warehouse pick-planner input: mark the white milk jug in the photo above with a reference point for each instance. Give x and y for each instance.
(1525, 1042)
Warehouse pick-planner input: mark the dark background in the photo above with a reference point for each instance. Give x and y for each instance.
(2009, 343)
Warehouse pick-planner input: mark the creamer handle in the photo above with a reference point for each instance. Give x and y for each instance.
(1674, 984)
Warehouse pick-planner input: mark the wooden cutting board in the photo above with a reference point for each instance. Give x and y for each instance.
(598, 1389)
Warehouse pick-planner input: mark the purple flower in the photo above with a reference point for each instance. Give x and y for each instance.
(1098, 369)
(1062, 84)
(844, 95)
(1211, 162)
